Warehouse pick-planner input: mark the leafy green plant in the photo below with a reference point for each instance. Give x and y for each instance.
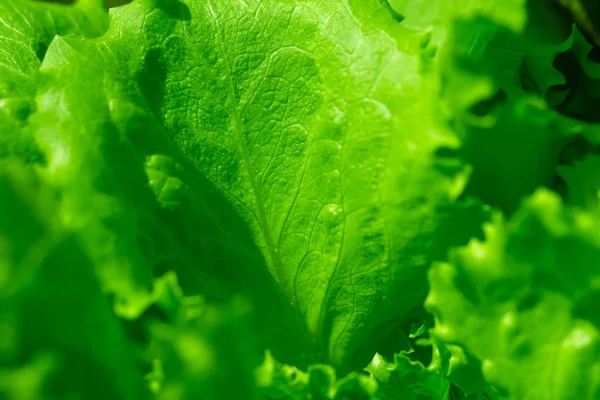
(298, 199)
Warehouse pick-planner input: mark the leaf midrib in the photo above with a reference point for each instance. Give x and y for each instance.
(238, 129)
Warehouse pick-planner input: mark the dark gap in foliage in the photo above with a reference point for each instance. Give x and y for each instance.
(40, 49)
(152, 81)
(577, 150)
(594, 55)
(448, 162)
(36, 157)
(527, 82)
(485, 107)
(586, 308)
(395, 14)
(421, 352)
(566, 63)
(137, 330)
(387, 339)
(457, 393)
(581, 102)
(556, 94)
(28, 154)
(446, 152)
(459, 223)
(528, 301)
(395, 336)
(560, 187)
(176, 9)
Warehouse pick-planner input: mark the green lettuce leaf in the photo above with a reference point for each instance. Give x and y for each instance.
(60, 338)
(401, 379)
(582, 181)
(267, 166)
(26, 31)
(199, 349)
(523, 301)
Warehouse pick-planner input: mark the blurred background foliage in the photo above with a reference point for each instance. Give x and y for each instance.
(587, 15)
(585, 12)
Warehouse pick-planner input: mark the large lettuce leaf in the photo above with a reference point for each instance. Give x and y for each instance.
(270, 135)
